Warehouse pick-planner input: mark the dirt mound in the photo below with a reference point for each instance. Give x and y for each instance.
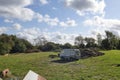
(90, 53)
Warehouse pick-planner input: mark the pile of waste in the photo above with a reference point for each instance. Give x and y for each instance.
(85, 53)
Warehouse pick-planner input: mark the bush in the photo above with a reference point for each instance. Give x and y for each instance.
(4, 48)
(32, 50)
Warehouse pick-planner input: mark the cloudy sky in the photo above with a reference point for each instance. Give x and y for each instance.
(59, 20)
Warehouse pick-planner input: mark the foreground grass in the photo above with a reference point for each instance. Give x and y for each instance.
(95, 68)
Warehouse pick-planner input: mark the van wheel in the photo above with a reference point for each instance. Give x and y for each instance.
(71, 58)
(76, 59)
(62, 58)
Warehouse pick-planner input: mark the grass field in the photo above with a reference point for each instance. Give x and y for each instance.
(94, 68)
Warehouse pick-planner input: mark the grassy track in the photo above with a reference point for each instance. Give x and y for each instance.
(95, 68)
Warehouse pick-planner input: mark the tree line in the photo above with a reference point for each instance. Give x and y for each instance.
(111, 41)
(12, 44)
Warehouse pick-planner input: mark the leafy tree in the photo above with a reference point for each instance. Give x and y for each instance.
(79, 41)
(99, 40)
(27, 44)
(109, 35)
(12, 44)
(118, 45)
(110, 42)
(40, 41)
(67, 46)
(90, 42)
(105, 44)
(4, 48)
(19, 47)
(6, 43)
(50, 46)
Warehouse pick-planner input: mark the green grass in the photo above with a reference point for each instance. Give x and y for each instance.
(94, 68)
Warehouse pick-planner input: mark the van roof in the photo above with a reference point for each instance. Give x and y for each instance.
(70, 49)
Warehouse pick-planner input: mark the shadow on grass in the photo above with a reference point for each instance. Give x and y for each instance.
(116, 65)
(62, 61)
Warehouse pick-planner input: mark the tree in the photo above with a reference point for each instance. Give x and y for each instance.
(40, 41)
(4, 48)
(67, 46)
(90, 42)
(105, 44)
(109, 35)
(99, 40)
(6, 43)
(27, 44)
(50, 46)
(13, 44)
(110, 42)
(118, 45)
(79, 41)
(19, 47)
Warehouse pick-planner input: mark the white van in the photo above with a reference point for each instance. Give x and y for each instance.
(70, 54)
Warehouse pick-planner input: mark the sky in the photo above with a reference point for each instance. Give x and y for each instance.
(59, 21)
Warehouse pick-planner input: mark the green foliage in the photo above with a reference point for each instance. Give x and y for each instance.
(27, 44)
(50, 46)
(4, 48)
(118, 46)
(105, 44)
(66, 46)
(79, 41)
(110, 42)
(19, 47)
(91, 45)
(12, 44)
(6, 44)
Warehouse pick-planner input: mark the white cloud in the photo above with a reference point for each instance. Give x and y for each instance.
(15, 3)
(39, 17)
(8, 21)
(63, 24)
(86, 6)
(3, 30)
(50, 21)
(55, 21)
(101, 24)
(17, 26)
(32, 31)
(16, 9)
(43, 2)
(68, 23)
(58, 37)
(63, 38)
(29, 34)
